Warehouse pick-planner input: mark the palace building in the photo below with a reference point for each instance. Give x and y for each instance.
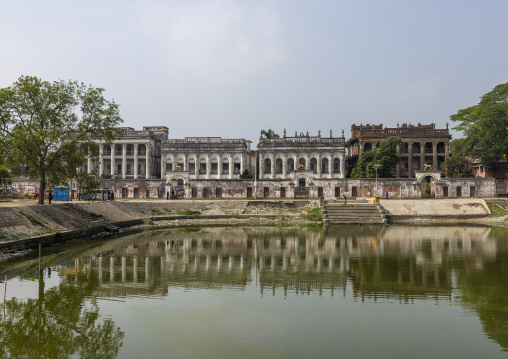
(136, 155)
(424, 145)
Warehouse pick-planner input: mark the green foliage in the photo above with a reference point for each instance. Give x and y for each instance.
(188, 212)
(313, 214)
(5, 176)
(156, 212)
(496, 210)
(62, 322)
(456, 163)
(34, 220)
(46, 126)
(87, 185)
(485, 127)
(385, 155)
(246, 175)
(426, 190)
(269, 134)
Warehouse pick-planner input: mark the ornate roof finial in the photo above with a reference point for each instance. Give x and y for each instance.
(307, 133)
(342, 133)
(284, 133)
(330, 133)
(296, 134)
(261, 134)
(447, 125)
(397, 125)
(319, 133)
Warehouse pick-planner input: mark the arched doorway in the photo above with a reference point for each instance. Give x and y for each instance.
(428, 187)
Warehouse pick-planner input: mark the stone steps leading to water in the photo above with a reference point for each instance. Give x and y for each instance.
(353, 214)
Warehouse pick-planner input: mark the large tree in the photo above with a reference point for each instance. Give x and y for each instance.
(385, 155)
(456, 163)
(485, 127)
(48, 127)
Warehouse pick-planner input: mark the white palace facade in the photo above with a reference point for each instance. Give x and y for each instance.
(147, 164)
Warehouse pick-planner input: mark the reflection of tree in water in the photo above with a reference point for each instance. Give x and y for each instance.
(484, 290)
(60, 323)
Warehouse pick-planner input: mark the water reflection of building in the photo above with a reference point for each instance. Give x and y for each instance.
(403, 261)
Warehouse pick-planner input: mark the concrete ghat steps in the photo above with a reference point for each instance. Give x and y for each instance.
(101, 221)
(353, 214)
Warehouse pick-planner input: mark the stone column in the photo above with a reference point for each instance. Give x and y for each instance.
(343, 165)
(113, 162)
(284, 166)
(397, 172)
(219, 165)
(230, 161)
(422, 155)
(242, 160)
(185, 164)
(101, 159)
(124, 160)
(208, 167)
(261, 165)
(196, 165)
(163, 166)
(307, 164)
(330, 165)
(135, 161)
(147, 175)
(272, 158)
(89, 163)
(319, 164)
(410, 159)
(434, 156)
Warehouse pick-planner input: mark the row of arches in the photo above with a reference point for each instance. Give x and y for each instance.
(117, 149)
(313, 165)
(416, 147)
(224, 167)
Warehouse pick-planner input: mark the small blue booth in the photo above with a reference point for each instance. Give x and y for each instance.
(61, 193)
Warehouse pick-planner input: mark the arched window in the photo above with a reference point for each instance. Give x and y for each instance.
(278, 165)
(367, 147)
(336, 165)
(268, 166)
(291, 164)
(313, 164)
(225, 166)
(324, 165)
(301, 163)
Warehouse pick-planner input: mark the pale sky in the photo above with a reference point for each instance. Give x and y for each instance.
(231, 68)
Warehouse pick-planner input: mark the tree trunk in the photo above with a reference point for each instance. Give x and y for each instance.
(42, 188)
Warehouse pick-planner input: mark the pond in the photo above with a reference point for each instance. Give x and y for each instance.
(264, 292)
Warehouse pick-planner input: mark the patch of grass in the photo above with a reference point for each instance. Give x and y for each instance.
(188, 230)
(496, 210)
(244, 211)
(35, 220)
(156, 211)
(313, 214)
(168, 210)
(188, 212)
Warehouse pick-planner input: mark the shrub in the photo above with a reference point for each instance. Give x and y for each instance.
(313, 214)
(188, 212)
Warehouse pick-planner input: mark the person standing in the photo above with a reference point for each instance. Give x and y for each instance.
(345, 200)
(167, 195)
(50, 197)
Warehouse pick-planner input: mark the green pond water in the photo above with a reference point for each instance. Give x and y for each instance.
(348, 292)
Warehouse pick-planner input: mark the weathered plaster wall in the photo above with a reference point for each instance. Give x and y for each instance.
(331, 188)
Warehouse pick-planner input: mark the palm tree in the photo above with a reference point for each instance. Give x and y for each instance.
(269, 134)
